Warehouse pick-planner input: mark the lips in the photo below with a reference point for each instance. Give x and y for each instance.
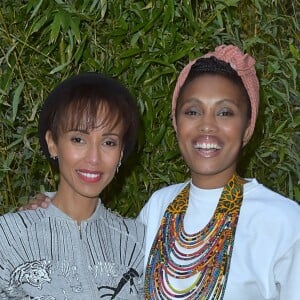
(207, 145)
(89, 176)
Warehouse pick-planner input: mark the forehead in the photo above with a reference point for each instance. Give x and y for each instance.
(213, 90)
(212, 85)
(88, 117)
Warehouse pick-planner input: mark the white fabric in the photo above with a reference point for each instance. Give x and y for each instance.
(265, 262)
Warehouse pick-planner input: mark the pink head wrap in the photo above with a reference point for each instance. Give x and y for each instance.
(242, 63)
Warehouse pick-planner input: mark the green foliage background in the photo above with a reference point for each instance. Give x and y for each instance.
(144, 44)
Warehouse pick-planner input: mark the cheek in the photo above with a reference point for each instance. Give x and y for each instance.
(71, 154)
(234, 136)
(68, 155)
(112, 158)
(184, 129)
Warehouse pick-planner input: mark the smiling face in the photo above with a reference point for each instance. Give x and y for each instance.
(212, 121)
(89, 122)
(87, 160)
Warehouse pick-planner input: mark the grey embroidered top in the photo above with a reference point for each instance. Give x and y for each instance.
(44, 254)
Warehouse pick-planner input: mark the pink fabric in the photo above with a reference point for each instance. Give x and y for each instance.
(244, 65)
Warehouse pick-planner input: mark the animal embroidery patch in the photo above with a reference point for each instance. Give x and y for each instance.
(35, 273)
(127, 278)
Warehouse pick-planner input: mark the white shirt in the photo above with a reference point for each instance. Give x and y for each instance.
(265, 262)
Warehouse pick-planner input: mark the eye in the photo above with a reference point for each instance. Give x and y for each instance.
(110, 143)
(191, 112)
(225, 112)
(77, 140)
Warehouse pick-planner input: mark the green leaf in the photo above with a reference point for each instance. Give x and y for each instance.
(37, 5)
(130, 52)
(39, 24)
(295, 51)
(55, 28)
(17, 99)
(59, 68)
(74, 24)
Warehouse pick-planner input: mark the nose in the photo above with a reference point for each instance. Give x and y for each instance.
(207, 124)
(93, 154)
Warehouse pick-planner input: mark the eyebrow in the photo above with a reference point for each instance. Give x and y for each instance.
(197, 100)
(112, 133)
(234, 102)
(88, 132)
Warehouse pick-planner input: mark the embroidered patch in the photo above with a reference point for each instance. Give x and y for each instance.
(35, 273)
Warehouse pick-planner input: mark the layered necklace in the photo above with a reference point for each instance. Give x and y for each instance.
(202, 258)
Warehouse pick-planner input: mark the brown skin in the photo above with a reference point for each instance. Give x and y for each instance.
(212, 128)
(87, 164)
(39, 200)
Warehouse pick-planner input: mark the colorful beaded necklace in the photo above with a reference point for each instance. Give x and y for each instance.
(203, 257)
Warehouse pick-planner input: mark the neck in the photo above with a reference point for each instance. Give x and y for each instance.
(212, 181)
(78, 209)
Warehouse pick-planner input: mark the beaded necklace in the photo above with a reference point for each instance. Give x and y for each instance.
(203, 258)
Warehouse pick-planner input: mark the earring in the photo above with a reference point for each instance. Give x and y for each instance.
(119, 165)
(54, 157)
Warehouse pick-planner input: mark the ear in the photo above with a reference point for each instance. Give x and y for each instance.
(52, 148)
(246, 136)
(173, 119)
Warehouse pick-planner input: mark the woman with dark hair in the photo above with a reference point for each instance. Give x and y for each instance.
(76, 248)
(218, 235)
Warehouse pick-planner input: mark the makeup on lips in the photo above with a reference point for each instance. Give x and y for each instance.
(89, 176)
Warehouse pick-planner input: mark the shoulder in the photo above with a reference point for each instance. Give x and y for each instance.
(15, 228)
(159, 201)
(270, 214)
(123, 225)
(22, 219)
(167, 193)
(262, 197)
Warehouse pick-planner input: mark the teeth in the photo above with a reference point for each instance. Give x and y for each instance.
(89, 175)
(207, 146)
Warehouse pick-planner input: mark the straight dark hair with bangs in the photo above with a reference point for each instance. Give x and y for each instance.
(75, 104)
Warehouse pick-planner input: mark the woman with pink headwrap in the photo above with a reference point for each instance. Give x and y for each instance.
(218, 235)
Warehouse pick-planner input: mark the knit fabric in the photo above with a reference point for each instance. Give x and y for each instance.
(242, 63)
(44, 254)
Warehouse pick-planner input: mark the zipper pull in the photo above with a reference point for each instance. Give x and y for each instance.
(80, 232)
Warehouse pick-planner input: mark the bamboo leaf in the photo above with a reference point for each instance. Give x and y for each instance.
(55, 28)
(130, 52)
(59, 68)
(36, 8)
(39, 24)
(74, 24)
(17, 99)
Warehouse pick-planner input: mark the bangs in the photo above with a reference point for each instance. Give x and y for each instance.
(86, 114)
(87, 101)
